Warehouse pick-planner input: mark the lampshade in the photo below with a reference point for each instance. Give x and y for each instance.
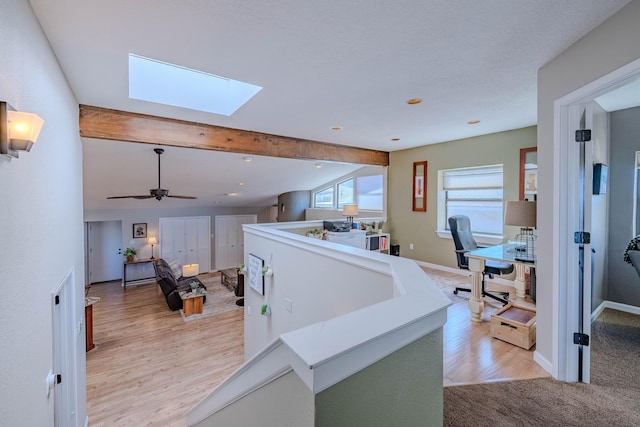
(190, 270)
(152, 240)
(520, 214)
(23, 129)
(349, 210)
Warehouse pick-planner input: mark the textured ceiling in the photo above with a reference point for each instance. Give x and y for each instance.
(352, 64)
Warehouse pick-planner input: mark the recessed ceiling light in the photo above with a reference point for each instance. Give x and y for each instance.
(336, 127)
(395, 139)
(414, 101)
(318, 165)
(233, 194)
(473, 122)
(240, 183)
(247, 159)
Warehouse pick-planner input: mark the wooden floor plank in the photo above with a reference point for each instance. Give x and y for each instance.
(149, 366)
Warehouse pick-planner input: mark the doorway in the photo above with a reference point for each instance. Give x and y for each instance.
(573, 310)
(103, 251)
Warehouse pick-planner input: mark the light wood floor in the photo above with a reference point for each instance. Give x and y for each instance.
(149, 366)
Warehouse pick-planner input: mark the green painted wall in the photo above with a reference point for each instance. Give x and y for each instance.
(403, 389)
(419, 228)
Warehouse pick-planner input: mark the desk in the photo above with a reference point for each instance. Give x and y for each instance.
(137, 261)
(503, 253)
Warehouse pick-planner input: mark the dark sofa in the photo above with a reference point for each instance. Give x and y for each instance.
(171, 286)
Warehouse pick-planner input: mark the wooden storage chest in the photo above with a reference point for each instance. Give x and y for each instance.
(515, 325)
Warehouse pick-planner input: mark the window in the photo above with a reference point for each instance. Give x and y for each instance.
(365, 191)
(323, 198)
(345, 193)
(370, 189)
(474, 192)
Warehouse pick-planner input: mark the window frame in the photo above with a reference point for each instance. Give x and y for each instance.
(337, 205)
(485, 237)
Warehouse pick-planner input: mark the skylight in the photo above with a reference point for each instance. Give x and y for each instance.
(156, 81)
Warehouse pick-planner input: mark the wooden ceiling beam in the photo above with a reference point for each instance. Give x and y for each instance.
(103, 123)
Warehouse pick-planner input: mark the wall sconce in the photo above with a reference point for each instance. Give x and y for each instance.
(18, 131)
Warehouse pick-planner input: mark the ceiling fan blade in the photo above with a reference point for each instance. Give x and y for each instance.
(182, 197)
(129, 197)
(155, 193)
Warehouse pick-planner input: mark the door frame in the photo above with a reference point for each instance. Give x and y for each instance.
(565, 221)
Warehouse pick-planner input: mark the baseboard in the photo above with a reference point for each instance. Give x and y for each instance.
(462, 272)
(544, 363)
(614, 306)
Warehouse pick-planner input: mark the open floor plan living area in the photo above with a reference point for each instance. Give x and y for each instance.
(320, 213)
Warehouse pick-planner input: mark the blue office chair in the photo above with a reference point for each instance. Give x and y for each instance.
(460, 227)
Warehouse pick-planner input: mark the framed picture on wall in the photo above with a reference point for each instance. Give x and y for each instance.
(140, 230)
(419, 186)
(254, 270)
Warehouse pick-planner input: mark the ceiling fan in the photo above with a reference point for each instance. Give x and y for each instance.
(157, 193)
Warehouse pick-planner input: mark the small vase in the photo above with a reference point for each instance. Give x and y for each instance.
(130, 258)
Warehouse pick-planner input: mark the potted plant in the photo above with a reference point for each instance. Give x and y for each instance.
(129, 253)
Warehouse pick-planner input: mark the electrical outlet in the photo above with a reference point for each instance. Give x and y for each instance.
(248, 310)
(411, 246)
(288, 304)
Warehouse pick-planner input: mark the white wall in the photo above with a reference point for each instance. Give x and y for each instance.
(318, 287)
(41, 211)
(608, 47)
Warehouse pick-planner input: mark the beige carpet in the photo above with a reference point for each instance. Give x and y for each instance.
(219, 298)
(612, 398)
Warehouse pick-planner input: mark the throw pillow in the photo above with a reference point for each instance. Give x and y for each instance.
(176, 268)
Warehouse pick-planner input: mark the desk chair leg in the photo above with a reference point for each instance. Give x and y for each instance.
(503, 296)
(455, 291)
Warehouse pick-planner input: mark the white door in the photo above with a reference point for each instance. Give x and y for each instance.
(584, 317)
(65, 337)
(576, 311)
(104, 244)
(187, 239)
(229, 239)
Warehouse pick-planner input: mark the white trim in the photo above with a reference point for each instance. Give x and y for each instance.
(614, 306)
(542, 361)
(564, 310)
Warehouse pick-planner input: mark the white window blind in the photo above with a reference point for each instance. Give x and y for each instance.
(477, 193)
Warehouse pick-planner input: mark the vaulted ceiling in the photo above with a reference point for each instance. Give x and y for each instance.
(352, 64)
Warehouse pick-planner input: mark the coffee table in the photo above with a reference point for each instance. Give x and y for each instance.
(192, 302)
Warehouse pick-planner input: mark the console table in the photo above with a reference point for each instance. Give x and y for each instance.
(125, 264)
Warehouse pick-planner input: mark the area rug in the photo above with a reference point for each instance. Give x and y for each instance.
(219, 298)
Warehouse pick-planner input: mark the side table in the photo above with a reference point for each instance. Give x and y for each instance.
(88, 321)
(192, 302)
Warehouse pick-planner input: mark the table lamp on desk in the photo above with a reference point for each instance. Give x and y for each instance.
(523, 214)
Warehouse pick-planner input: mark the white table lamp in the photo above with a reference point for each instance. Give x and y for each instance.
(190, 270)
(523, 214)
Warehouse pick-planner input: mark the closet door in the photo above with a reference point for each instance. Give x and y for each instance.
(229, 240)
(203, 244)
(188, 240)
